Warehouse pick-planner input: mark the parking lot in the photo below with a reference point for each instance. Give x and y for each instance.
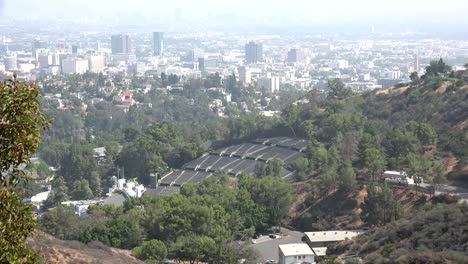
(267, 248)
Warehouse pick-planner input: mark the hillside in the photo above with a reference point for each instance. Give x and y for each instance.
(385, 129)
(438, 235)
(337, 210)
(441, 102)
(60, 251)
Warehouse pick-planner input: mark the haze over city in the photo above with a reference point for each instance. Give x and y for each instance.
(294, 12)
(233, 132)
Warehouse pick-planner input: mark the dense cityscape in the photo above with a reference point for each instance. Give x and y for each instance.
(253, 134)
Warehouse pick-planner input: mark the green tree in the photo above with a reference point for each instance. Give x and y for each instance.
(153, 250)
(274, 168)
(374, 160)
(260, 169)
(424, 132)
(81, 190)
(290, 117)
(302, 167)
(58, 194)
(437, 68)
(414, 77)
(347, 177)
(439, 174)
(78, 162)
(419, 167)
(120, 233)
(272, 193)
(194, 249)
(318, 157)
(379, 207)
(61, 222)
(338, 90)
(20, 124)
(308, 129)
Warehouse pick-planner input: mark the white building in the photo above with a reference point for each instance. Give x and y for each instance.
(130, 188)
(296, 254)
(398, 177)
(318, 241)
(11, 63)
(245, 76)
(340, 64)
(38, 199)
(74, 65)
(96, 63)
(271, 84)
(81, 207)
(394, 75)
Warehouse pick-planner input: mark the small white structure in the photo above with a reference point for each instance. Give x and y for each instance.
(319, 241)
(398, 177)
(38, 199)
(296, 254)
(131, 188)
(81, 207)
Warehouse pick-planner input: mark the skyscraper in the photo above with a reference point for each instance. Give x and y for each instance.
(121, 44)
(201, 64)
(75, 49)
(158, 43)
(253, 52)
(416, 62)
(11, 62)
(295, 56)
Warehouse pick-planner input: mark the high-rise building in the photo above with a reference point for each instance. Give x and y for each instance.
(73, 65)
(201, 64)
(416, 63)
(295, 56)
(271, 84)
(74, 49)
(96, 63)
(253, 52)
(158, 43)
(45, 60)
(121, 44)
(37, 45)
(244, 75)
(193, 55)
(11, 63)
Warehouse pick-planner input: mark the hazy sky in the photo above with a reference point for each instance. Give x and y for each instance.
(312, 11)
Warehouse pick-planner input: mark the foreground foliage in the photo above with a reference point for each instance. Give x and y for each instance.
(20, 125)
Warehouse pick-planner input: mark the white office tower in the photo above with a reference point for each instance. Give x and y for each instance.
(244, 75)
(271, 84)
(96, 63)
(74, 65)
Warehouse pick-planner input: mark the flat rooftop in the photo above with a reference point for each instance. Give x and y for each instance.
(331, 236)
(298, 249)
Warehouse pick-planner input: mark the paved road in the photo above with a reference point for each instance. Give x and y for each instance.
(454, 190)
(451, 189)
(267, 248)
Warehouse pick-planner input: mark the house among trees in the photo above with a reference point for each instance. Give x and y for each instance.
(100, 154)
(295, 254)
(397, 177)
